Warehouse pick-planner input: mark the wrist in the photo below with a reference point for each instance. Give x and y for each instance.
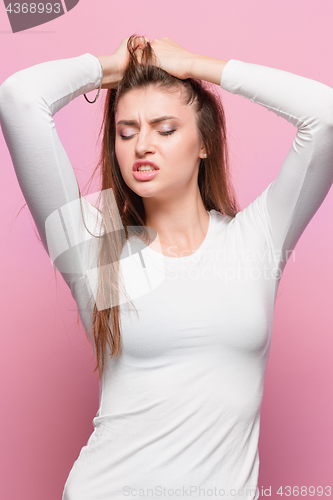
(207, 68)
(111, 71)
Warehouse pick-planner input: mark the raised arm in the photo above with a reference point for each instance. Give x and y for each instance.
(292, 199)
(28, 101)
(281, 213)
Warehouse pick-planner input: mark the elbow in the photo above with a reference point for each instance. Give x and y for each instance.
(326, 117)
(14, 98)
(330, 117)
(321, 102)
(6, 100)
(322, 125)
(322, 119)
(4, 87)
(9, 89)
(13, 88)
(10, 95)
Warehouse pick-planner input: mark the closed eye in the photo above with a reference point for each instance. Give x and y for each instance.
(125, 137)
(168, 133)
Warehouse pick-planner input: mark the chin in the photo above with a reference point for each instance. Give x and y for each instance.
(143, 188)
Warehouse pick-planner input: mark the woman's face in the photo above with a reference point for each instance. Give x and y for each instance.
(172, 143)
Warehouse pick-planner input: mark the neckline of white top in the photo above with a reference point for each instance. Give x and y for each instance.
(187, 258)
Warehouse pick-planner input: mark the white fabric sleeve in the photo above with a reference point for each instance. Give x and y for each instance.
(284, 209)
(28, 100)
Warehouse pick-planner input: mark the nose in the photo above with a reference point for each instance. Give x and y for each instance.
(144, 144)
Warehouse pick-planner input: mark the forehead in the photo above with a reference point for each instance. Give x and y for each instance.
(151, 102)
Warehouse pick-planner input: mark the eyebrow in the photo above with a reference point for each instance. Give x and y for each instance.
(155, 120)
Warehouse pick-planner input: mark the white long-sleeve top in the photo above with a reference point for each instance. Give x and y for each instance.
(180, 408)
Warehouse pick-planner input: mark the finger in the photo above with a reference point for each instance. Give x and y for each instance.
(139, 41)
(143, 41)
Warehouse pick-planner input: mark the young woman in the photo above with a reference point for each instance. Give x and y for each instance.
(182, 379)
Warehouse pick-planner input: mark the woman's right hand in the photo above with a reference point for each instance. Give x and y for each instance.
(115, 65)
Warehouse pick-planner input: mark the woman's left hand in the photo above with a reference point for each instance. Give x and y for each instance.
(173, 58)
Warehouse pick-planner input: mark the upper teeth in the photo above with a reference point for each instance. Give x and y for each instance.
(145, 167)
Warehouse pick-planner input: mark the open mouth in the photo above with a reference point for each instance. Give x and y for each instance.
(145, 175)
(144, 166)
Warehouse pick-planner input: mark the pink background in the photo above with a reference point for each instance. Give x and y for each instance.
(49, 394)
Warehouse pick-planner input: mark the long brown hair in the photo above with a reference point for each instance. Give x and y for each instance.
(214, 182)
(122, 210)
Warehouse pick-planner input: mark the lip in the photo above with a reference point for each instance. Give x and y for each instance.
(144, 162)
(145, 176)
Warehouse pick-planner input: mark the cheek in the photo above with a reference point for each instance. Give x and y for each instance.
(187, 148)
